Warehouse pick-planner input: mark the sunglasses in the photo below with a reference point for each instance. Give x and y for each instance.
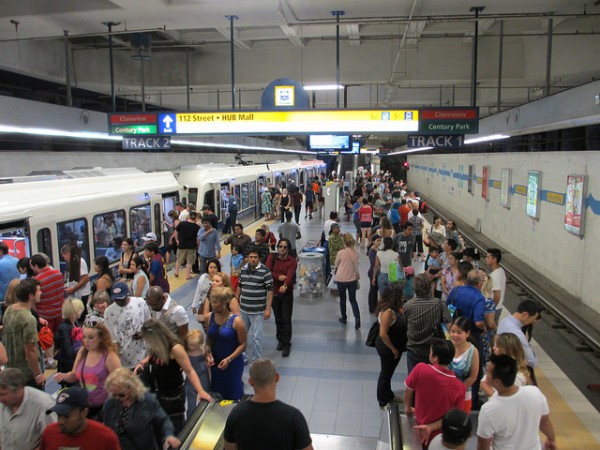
(92, 323)
(121, 395)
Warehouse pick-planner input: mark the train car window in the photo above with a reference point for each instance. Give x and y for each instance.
(193, 196)
(109, 231)
(252, 193)
(16, 237)
(139, 221)
(158, 221)
(74, 232)
(245, 198)
(238, 194)
(44, 242)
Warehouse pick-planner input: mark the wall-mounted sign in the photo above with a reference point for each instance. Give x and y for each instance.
(575, 204)
(447, 141)
(505, 188)
(534, 188)
(485, 182)
(284, 95)
(471, 179)
(146, 143)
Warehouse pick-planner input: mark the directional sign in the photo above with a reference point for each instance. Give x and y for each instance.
(134, 129)
(146, 143)
(116, 119)
(452, 120)
(166, 124)
(449, 141)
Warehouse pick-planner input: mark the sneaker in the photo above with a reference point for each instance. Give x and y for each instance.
(50, 363)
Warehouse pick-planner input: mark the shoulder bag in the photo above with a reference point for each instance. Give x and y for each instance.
(372, 334)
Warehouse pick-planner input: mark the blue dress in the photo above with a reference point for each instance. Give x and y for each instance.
(228, 382)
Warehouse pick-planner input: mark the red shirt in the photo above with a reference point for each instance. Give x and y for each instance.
(437, 390)
(365, 213)
(95, 437)
(404, 210)
(52, 284)
(278, 266)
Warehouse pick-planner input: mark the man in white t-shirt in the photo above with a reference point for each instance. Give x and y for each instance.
(124, 319)
(512, 417)
(498, 276)
(164, 308)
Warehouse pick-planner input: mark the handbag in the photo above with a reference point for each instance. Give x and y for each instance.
(45, 337)
(372, 334)
(395, 272)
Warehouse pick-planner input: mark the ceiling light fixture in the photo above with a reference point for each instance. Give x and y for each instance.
(491, 137)
(323, 87)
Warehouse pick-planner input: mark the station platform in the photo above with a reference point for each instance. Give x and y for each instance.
(331, 376)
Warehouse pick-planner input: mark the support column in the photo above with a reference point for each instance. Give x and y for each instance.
(500, 57)
(337, 15)
(476, 10)
(549, 58)
(68, 68)
(231, 49)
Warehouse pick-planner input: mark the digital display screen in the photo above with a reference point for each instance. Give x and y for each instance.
(329, 142)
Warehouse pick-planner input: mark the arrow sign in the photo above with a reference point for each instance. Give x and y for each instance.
(166, 124)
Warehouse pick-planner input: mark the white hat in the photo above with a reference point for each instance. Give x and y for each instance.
(150, 237)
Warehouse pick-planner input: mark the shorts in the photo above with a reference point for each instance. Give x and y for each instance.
(309, 204)
(186, 255)
(365, 224)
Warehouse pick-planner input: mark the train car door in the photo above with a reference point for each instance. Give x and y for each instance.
(168, 204)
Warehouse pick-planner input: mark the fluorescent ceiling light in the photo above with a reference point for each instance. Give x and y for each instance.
(323, 87)
(107, 137)
(491, 137)
(410, 150)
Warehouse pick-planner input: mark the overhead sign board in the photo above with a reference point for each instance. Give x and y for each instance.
(447, 141)
(276, 122)
(116, 119)
(146, 143)
(453, 120)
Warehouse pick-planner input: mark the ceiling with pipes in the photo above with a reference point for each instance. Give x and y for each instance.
(392, 53)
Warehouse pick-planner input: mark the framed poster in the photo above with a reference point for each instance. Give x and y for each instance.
(485, 182)
(534, 179)
(575, 204)
(505, 188)
(470, 180)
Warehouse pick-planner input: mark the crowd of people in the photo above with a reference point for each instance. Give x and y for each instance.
(127, 358)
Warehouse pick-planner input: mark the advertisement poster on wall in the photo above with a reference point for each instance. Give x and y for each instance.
(575, 204)
(506, 186)
(533, 193)
(470, 180)
(485, 182)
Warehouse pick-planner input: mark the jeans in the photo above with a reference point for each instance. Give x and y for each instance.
(383, 281)
(412, 359)
(254, 326)
(349, 286)
(283, 306)
(388, 366)
(297, 209)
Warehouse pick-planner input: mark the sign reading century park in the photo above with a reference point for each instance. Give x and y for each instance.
(296, 122)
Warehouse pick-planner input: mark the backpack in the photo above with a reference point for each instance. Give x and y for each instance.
(423, 207)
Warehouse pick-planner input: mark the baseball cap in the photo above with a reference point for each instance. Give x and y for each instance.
(68, 399)
(119, 291)
(150, 237)
(334, 225)
(456, 427)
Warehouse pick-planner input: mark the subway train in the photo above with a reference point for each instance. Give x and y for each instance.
(96, 208)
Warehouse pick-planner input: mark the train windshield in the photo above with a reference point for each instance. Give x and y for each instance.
(16, 237)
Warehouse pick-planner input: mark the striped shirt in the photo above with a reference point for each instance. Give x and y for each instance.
(422, 316)
(52, 284)
(254, 287)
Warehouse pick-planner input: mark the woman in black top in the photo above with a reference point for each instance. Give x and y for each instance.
(391, 341)
(284, 203)
(163, 370)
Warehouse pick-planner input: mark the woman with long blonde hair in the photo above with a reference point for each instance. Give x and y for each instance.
(346, 278)
(165, 366)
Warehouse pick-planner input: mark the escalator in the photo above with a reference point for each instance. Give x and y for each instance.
(204, 429)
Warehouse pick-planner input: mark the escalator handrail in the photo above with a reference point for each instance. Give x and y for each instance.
(394, 422)
(195, 420)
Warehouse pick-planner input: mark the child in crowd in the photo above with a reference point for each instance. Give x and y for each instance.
(433, 266)
(69, 335)
(236, 263)
(100, 302)
(195, 348)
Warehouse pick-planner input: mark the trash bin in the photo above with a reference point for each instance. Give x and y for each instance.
(311, 275)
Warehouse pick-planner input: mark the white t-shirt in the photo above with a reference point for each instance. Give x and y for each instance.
(87, 287)
(513, 422)
(385, 258)
(123, 324)
(175, 319)
(327, 227)
(498, 277)
(436, 443)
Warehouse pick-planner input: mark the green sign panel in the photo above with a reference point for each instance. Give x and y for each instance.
(449, 126)
(134, 129)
